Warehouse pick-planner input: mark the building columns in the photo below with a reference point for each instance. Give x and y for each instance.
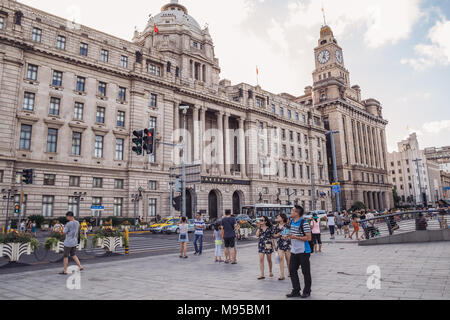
(202, 138)
(226, 135)
(196, 132)
(242, 163)
(219, 145)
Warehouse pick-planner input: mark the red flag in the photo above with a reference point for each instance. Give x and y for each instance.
(257, 70)
(155, 28)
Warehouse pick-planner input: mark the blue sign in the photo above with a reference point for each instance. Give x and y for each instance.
(336, 188)
(447, 188)
(97, 208)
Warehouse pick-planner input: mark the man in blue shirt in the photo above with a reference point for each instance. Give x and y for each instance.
(199, 226)
(300, 253)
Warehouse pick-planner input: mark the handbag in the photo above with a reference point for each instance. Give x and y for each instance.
(183, 236)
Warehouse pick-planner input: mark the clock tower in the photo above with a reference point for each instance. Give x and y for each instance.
(329, 59)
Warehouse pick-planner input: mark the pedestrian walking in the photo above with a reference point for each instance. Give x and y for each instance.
(22, 226)
(84, 227)
(339, 223)
(265, 245)
(331, 223)
(371, 230)
(346, 220)
(363, 224)
(218, 239)
(421, 222)
(71, 230)
(230, 227)
(34, 228)
(316, 237)
(183, 238)
(281, 231)
(199, 226)
(300, 235)
(355, 227)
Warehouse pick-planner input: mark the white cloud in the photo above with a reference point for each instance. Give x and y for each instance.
(383, 21)
(436, 53)
(436, 127)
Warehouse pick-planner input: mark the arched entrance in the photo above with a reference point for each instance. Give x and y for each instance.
(214, 204)
(237, 202)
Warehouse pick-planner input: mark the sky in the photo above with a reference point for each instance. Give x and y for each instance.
(397, 51)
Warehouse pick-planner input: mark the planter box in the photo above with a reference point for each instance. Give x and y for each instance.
(245, 232)
(15, 250)
(45, 227)
(59, 247)
(125, 228)
(110, 244)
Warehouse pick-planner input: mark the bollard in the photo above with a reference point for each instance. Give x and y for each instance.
(127, 241)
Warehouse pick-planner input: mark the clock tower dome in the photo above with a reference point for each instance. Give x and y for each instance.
(329, 59)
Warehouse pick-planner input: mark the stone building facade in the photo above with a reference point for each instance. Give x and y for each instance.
(361, 150)
(71, 97)
(440, 155)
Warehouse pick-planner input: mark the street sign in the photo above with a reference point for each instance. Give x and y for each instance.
(336, 188)
(447, 188)
(100, 208)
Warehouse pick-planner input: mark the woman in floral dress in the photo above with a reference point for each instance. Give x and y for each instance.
(281, 230)
(265, 245)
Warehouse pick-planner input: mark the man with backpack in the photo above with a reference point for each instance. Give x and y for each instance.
(300, 237)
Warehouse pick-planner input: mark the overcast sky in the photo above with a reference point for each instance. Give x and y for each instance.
(398, 51)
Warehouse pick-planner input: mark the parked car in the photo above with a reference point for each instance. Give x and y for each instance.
(158, 227)
(175, 228)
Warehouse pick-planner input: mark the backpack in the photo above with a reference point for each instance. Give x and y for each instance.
(311, 243)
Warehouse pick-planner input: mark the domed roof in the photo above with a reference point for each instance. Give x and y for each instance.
(176, 14)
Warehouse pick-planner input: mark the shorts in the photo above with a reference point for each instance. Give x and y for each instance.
(316, 239)
(69, 252)
(183, 237)
(229, 242)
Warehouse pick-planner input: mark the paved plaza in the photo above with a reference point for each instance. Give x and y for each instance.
(408, 271)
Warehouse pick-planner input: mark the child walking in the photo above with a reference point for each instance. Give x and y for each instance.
(219, 241)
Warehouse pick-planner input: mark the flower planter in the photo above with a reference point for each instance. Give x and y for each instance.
(110, 244)
(15, 250)
(123, 228)
(45, 227)
(59, 247)
(245, 232)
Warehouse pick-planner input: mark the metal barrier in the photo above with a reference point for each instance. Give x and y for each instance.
(403, 222)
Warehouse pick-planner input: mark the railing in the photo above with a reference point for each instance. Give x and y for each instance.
(403, 222)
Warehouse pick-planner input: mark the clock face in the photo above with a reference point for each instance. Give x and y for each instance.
(339, 56)
(324, 56)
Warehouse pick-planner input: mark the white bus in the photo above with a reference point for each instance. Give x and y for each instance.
(266, 210)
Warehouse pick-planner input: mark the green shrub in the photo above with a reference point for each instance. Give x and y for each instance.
(14, 237)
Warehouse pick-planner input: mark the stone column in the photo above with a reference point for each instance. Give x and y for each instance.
(202, 138)
(242, 148)
(176, 117)
(219, 145)
(196, 132)
(226, 136)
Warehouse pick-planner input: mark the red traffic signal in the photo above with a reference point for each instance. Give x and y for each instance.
(149, 140)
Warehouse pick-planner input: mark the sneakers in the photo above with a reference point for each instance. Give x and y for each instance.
(294, 295)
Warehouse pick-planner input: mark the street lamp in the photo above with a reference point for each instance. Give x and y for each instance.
(336, 180)
(8, 194)
(184, 109)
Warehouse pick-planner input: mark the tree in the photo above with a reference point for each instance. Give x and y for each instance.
(358, 206)
(396, 197)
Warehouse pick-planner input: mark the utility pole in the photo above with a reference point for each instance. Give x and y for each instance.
(417, 161)
(184, 109)
(313, 192)
(336, 180)
(10, 193)
(171, 193)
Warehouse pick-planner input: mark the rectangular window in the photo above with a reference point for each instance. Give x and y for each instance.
(292, 152)
(152, 207)
(117, 211)
(122, 94)
(100, 117)
(74, 181)
(47, 206)
(105, 55)
(285, 169)
(154, 70)
(25, 137)
(152, 185)
(102, 89)
(119, 149)
(49, 179)
(2, 22)
(297, 116)
(78, 111)
(73, 206)
(98, 152)
(293, 170)
(300, 155)
(61, 43)
(121, 119)
(124, 61)
(118, 184)
(81, 81)
(259, 102)
(152, 125)
(36, 35)
(55, 104)
(52, 140)
(307, 154)
(308, 173)
(281, 111)
(289, 114)
(57, 78)
(153, 100)
(273, 108)
(83, 49)
(76, 143)
(32, 72)
(300, 171)
(97, 183)
(28, 101)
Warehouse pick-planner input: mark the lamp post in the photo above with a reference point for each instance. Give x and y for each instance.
(8, 194)
(417, 161)
(184, 109)
(336, 180)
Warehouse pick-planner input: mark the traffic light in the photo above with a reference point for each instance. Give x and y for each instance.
(176, 202)
(149, 140)
(27, 176)
(17, 209)
(138, 142)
